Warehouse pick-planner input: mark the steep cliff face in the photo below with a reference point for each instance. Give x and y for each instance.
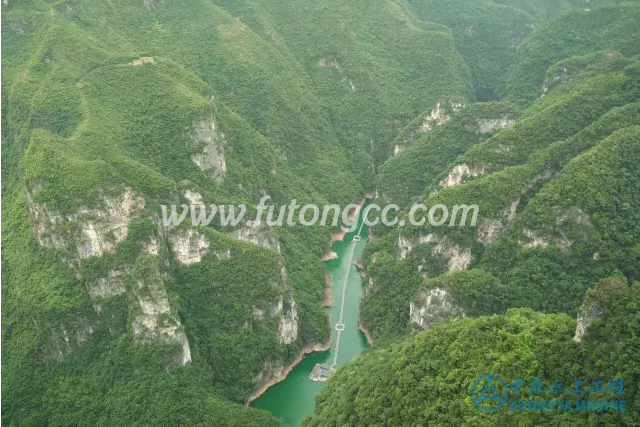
(429, 307)
(432, 142)
(588, 312)
(493, 125)
(153, 317)
(288, 324)
(258, 234)
(211, 159)
(456, 257)
(459, 172)
(91, 233)
(540, 179)
(188, 246)
(86, 232)
(600, 301)
(440, 114)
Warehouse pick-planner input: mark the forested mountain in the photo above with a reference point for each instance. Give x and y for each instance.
(555, 183)
(554, 169)
(528, 108)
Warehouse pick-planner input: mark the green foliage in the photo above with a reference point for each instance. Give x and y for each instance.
(564, 173)
(408, 173)
(575, 33)
(486, 34)
(307, 100)
(428, 378)
(362, 45)
(385, 309)
(475, 291)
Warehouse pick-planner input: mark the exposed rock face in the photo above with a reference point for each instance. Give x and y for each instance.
(154, 319)
(598, 302)
(544, 175)
(193, 197)
(458, 258)
(512, 211)
(560, 75)
(151, 247)
(188, 246)
(574, 214)
(431, 306)
(492, 125)
(107, 287)
(258, 234)
(92, 231)
(271, 373)
(100, 225)
(327, 301)
(262, 235)
(398, 148)
(337, 237)
(142, 61)
(538, 238)
(212, 158)
(276, 308)
(588, 311)
(274, 371)
(329, 255)
(437, 116)
(288, 325)
(489, 230)
(407, 244)
(459, 172)
(47, 224)
(534, 238)
(97, 230)
(258, 314)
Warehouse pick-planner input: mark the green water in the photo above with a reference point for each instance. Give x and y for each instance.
(292, 398)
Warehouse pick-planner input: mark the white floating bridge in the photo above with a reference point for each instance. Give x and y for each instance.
(339, 327)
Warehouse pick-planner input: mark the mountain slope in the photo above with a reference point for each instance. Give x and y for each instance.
(555, 178)
(428, 378)
(114, 109)
(554, 189)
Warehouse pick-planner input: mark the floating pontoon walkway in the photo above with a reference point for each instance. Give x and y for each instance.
(339, 327)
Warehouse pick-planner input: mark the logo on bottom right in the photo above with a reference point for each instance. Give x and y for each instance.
(490, 393)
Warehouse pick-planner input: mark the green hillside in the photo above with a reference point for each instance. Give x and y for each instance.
(554, 184)
(427, 379)
(111, 110)
(553, 168)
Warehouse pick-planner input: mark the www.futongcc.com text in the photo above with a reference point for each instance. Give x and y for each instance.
(309, 215)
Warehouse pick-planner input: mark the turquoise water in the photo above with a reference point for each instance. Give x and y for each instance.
(293, 397)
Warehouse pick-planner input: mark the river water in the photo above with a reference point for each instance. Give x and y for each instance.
(293, 397)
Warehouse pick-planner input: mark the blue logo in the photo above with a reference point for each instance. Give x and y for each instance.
(491, 394)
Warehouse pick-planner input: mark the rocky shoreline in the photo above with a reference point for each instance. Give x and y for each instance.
(365, 331)
(286, 370)
(328, 298)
